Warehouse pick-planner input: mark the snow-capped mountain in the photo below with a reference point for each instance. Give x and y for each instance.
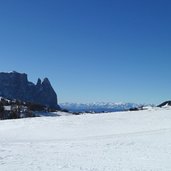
(98, 107)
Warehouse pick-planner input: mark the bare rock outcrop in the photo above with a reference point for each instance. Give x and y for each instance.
(15, 85)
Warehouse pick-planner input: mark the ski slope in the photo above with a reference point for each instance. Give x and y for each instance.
(121, 141)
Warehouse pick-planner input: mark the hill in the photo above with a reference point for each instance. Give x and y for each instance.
(15, 109)
(166, 103)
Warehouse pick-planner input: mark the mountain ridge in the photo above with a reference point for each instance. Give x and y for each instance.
(98, 106)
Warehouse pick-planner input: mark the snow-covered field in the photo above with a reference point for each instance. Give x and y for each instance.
(123, 141)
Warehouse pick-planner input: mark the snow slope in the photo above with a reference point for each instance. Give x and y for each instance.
(123, 141)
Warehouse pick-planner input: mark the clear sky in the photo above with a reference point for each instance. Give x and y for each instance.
(91, 50)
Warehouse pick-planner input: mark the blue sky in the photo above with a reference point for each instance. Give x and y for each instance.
(91, 50)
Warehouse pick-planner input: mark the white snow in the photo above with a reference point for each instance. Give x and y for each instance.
(122, 141)
(46, 114)
(8, 108)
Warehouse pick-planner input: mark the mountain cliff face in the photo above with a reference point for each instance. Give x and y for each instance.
(15, 85)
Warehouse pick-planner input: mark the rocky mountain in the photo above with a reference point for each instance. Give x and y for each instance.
(15, 85)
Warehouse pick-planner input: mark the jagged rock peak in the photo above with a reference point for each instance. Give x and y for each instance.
(39, 82)
(15, 85)
(46, 81)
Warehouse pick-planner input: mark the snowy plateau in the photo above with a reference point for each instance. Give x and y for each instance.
(119, 141)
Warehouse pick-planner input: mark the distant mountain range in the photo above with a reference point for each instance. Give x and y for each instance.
(98, 107)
